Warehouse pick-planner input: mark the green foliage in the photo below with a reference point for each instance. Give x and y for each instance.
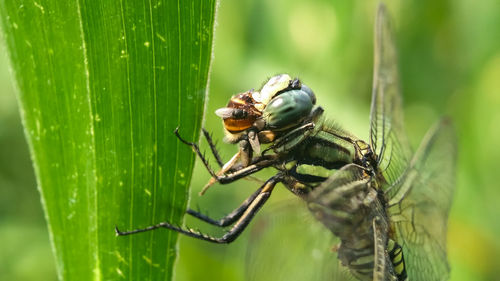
(449, 64)
(102, 85)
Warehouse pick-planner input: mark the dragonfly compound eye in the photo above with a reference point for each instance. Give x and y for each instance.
(308, 91)
(288, 109)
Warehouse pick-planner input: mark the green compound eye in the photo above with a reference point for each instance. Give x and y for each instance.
(289, 108)
(309, 92)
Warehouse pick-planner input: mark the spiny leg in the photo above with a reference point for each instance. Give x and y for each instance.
(243, 155)
(236, 230)
(226, 167)
(229, 218)
(197, 150)
(240, 173)
(261, 163)
(254, 207)
(213, 147)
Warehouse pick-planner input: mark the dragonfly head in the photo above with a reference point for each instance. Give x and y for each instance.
(287, 102)
(282, 103)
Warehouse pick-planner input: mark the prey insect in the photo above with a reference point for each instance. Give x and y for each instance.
(388, 207)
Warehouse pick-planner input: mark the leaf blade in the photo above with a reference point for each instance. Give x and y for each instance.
(99, 108)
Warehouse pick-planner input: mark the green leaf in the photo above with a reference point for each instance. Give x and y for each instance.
(102, 85)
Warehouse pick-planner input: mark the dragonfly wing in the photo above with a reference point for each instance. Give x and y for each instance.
(287, 244)
(419, 211)
(387, 136)
(349, 174)
(336, 203)
(304, 244)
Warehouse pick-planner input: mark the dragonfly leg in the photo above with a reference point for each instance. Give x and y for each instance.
(243, 157)
(236, 230)
(196, 149)
(213, 147)
(229, 218)
(245, 154)
(211, 144)
(261, 163)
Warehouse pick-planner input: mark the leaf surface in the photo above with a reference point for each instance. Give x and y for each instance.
(101, 87)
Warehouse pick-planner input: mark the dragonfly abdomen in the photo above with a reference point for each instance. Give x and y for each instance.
(349, 210)
(395, 253)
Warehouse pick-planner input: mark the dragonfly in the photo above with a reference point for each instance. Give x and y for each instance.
(388, 206)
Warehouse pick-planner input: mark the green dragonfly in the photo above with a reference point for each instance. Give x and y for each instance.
(388, 207)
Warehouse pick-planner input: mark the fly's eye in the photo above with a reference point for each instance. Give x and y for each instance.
(288, 109)
(239, 114)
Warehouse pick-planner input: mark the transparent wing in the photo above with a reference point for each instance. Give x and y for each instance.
(387, 136)
(419, 211)
(288, 244)
(336, 196)
(334, 190)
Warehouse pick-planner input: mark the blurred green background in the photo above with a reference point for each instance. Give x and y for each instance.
(450, 64)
